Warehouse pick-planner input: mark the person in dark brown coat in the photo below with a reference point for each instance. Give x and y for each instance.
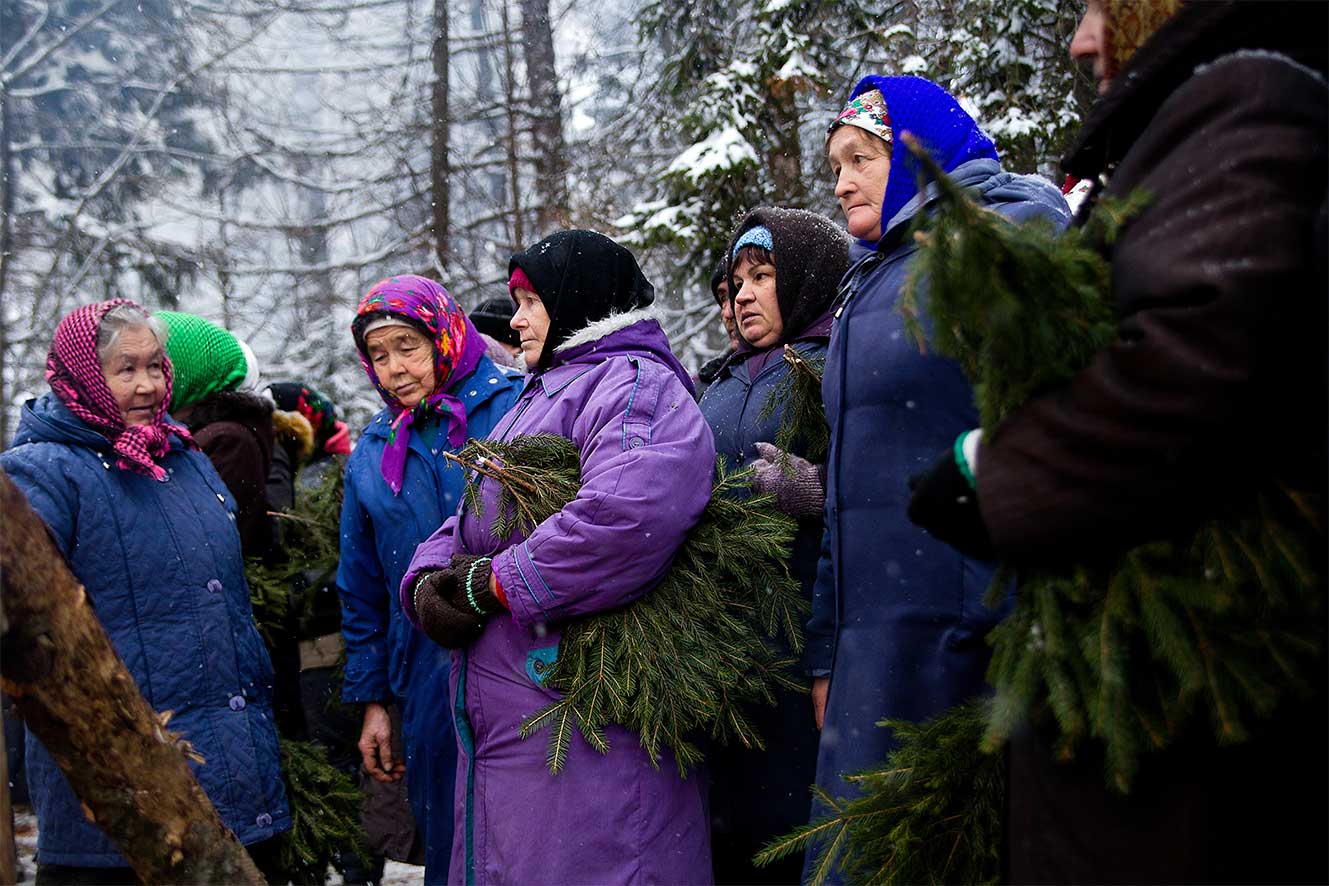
(1214, 385)
(217, 400)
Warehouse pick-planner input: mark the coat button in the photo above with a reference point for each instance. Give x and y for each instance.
(264, 820)
(214, 585)
(237, 703)
(634, 442)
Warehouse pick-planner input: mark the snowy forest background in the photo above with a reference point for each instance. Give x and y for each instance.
(262, 162)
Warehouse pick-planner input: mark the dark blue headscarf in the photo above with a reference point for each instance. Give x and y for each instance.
(936, 119)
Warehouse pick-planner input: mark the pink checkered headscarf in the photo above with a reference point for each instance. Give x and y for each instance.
(75, 374)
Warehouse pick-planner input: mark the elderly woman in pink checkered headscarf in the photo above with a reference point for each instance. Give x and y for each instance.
(148, 528)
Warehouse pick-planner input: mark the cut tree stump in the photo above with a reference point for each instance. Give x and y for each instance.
(77, 697)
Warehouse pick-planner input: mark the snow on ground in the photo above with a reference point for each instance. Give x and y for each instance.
(25, 837)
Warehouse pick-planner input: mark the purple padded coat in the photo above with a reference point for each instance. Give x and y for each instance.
(647, 455)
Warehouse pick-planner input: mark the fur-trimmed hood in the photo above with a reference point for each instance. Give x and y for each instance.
(636, 333)
(295, 433)
(598, 329)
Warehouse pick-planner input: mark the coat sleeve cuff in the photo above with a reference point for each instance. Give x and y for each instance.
(817, 654)
(529, 599)
(363, 685)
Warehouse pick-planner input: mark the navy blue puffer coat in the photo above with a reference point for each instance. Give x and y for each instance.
(898, 617)
(161, 565)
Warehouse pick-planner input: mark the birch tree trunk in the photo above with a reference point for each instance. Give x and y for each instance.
(77, 697)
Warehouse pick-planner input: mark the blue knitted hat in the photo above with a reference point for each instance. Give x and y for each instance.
(758, 236)
(936, 119)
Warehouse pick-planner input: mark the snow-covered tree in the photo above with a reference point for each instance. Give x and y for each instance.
(748, 87)
(100, 102)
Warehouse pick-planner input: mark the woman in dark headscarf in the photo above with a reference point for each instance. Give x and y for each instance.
(784, 266)
(603, 377)
(149, 529)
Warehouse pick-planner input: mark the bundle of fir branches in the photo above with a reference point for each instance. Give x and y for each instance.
(803, 416)
(931, 814)
(325, 814)
(1212, 629)
(324, 802)
(280, 589)
(712, 638)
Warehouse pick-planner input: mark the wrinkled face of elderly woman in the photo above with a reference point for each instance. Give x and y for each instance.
(861, 164)
(403, 360)
(531, 321)
(134, 367)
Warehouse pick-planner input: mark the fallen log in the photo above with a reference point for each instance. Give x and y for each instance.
(75, 694)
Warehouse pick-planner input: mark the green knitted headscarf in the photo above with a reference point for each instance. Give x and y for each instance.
(204, 357)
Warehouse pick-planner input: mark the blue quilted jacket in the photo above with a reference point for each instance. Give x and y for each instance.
(161, 564)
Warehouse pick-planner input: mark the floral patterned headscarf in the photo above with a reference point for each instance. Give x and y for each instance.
(74, 371)
(458, 347)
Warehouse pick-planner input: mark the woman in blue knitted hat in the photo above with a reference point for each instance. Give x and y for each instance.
(898, 620)
(783, 267)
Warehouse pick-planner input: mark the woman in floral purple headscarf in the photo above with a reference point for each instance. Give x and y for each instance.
(428, 363)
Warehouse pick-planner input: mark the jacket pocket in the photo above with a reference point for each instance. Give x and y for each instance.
(539, 661)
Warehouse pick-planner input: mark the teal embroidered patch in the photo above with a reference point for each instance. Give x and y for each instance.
(539, 661)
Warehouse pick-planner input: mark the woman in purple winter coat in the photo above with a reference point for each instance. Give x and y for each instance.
(603, 376)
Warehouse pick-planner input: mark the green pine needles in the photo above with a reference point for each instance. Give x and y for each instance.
(931, 814)
(1021, 307)
(325, 814)
(803, 419)
(313, 538)
(1221, 627)
(687, 658)
(324, 802)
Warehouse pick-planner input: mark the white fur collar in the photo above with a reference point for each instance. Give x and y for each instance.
(613, 323)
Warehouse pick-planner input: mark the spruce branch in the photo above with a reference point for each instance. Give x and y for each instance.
(1132, 650)
(711, 639)
(930, 814)
(1218, 626)
(797, 397)
(325, 814)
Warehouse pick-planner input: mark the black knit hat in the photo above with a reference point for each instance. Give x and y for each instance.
(718, 276)
(811, 255)
(581, 277)
(492, 318)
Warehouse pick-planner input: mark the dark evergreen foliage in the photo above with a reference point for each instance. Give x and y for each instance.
(931, 814)
(325, 814)
(688, 657)
(283, 588)
(804, 419)
(1216, 624)
(324, 802)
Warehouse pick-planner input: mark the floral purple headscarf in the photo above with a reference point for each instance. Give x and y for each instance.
(74, 372)
(458, 348)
